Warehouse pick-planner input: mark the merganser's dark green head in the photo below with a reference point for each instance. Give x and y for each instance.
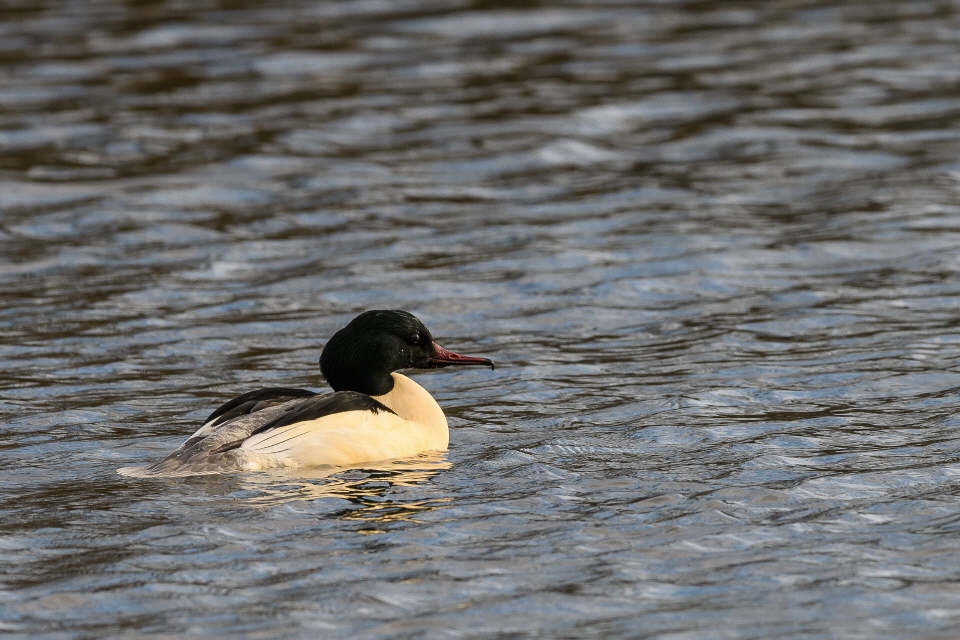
(362, 355)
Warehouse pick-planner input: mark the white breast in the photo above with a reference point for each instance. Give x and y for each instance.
(411, 402)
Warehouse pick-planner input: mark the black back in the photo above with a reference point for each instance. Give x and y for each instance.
(326, 405)
(255, 401)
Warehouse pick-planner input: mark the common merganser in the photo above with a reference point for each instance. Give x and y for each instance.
(372, 414)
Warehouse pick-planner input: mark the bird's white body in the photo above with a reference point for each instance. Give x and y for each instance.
(359, 436)
(340, 439)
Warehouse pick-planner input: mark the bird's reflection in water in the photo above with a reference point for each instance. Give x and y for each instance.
(367, 487)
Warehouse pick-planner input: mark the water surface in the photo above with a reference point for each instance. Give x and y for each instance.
(713, 248)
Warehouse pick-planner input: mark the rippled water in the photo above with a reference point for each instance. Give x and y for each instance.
(713, 246)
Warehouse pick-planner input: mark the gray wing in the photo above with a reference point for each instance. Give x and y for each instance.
(218, 451)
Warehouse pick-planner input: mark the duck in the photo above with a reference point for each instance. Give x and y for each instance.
(373, 413)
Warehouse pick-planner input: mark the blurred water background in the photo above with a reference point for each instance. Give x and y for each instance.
(712, 245)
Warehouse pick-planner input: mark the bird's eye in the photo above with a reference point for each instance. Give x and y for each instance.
(415, 338)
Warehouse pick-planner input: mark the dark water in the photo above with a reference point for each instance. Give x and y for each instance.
(713, 246)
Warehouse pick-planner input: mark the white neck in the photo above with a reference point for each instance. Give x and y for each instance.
(411, 402)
